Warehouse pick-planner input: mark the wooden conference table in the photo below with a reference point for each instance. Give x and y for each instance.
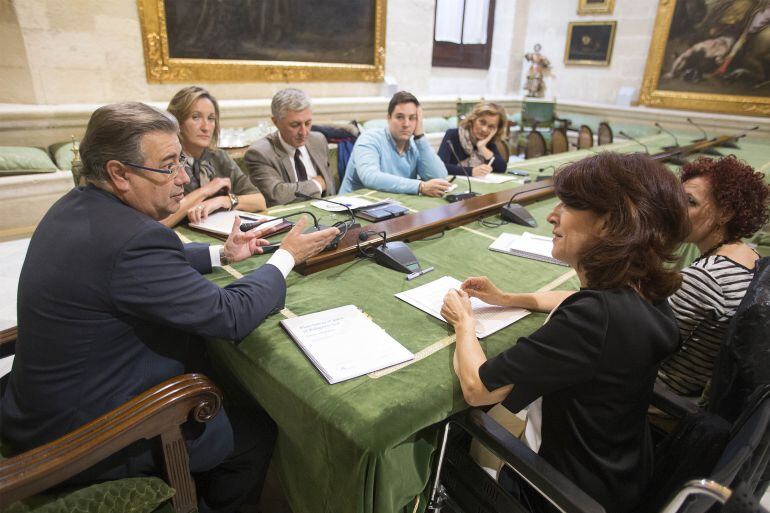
(365, 445)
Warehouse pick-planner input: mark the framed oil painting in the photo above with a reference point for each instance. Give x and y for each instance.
(710, 56)
(590, 43)
(263, 40)
(595, 6)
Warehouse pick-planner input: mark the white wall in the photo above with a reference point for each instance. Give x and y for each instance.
(547, 24)
(90, 51)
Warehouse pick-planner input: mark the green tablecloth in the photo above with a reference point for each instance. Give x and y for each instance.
(365, 445)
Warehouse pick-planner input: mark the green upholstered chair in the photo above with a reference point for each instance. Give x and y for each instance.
(156, 413)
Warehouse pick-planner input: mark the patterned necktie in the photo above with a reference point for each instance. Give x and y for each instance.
(299, 167)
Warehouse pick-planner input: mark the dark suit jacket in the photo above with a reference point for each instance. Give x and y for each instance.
(452, 141)
(270, 169)
(110, 304)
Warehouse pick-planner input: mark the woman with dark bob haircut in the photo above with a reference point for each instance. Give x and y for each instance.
(586, 376)
(726, 201)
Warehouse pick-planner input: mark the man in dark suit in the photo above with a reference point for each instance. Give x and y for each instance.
(111, 303)
(293, 159)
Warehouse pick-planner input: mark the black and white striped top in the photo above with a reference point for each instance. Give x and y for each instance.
(712, 288)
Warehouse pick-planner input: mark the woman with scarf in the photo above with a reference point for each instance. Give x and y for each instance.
(471, 149)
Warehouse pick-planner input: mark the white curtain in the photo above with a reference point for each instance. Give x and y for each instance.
(450, 26)
(449, 20)
(475, 26)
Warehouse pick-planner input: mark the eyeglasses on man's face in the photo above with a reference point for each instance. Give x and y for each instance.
(171, 172)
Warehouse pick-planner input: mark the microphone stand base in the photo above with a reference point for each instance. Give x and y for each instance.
(453, 198)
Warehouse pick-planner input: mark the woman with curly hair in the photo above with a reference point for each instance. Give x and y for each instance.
(727, 201)
(586, 376)
(473, 146)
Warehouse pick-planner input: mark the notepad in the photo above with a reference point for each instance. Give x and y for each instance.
(489, 318)
(221, 223)
(494, 178)
(343, 343)
(527, 245)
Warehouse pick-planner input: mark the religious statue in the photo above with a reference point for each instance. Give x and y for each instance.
(538, 68)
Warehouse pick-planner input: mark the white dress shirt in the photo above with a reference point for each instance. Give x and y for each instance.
(305, 157)
(281, 259)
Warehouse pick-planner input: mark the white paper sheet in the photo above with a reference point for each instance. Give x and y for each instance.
(489, 318)
(494, 178)
(343, 343)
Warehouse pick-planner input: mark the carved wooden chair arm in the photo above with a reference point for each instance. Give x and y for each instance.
(157, 412)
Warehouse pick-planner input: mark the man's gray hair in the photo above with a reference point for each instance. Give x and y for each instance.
(115, 132)
(287, 100)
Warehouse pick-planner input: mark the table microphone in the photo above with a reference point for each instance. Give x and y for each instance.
(515, 213)
(676, 141)
(637, 141)
(351, 224)
(453, 198)
(705, 135)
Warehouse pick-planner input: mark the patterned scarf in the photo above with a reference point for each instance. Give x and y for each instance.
(200, 171)
(474, 159)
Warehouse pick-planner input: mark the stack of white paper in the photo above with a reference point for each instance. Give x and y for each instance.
(489, 318)
(343, 343)
(528, 245)
(494, 178)
(221, 223)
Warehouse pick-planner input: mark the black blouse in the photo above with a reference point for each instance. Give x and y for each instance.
(594, 364)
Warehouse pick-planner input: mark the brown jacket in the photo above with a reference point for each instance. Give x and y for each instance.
(270, 169)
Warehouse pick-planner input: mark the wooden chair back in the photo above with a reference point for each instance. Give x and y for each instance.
(604, 134)
(585, 137)
(559, 141)
(535, 145)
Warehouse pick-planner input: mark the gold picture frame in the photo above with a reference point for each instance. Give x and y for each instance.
(595, 6)
(662, 88)
(590, 43)
(161, 67)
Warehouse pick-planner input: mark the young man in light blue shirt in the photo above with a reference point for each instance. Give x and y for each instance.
(390, 159)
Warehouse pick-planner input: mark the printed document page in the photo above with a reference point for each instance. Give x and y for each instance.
(222, 222)
(343, 343)
(489, 318)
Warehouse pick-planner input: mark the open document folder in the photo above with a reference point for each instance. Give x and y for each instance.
(527, 245)
(489, 318)
(221, 223)
(343, 343)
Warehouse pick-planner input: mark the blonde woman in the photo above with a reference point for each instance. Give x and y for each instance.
(472, 145)
(216, 181)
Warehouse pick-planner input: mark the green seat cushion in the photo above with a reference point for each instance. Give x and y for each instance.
(452, 121)
(19, 160)
(63, 155)
(134, 494)
(435, 124)
(373, 124)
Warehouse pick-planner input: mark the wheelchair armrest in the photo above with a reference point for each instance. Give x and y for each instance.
(548, 481)
(8, 341)
(157, 412)
(668, 402)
